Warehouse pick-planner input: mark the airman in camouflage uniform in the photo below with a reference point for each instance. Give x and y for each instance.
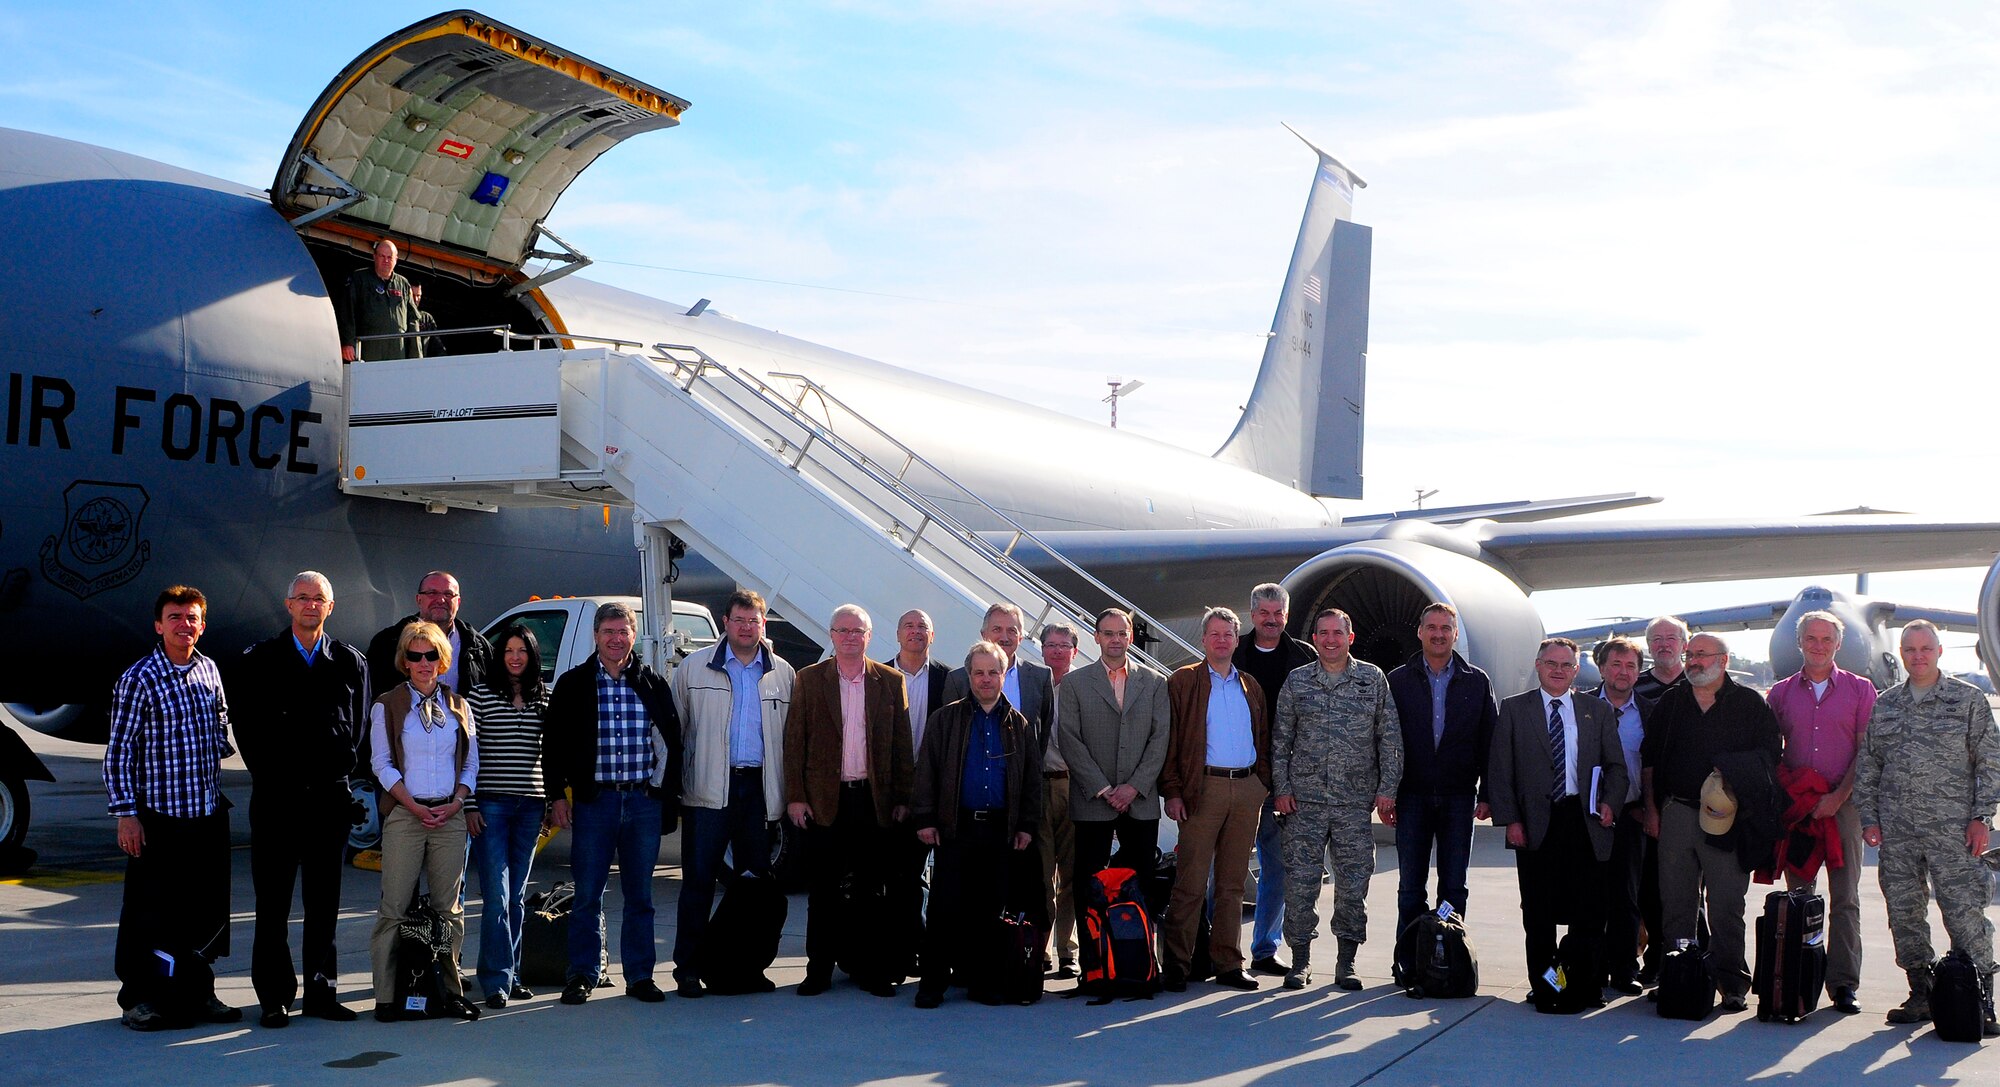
(1336, 749)
(1928, 782)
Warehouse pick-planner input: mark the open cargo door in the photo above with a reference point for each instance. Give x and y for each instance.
(457, 135)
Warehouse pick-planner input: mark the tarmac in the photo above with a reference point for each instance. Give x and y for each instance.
(59, 1021)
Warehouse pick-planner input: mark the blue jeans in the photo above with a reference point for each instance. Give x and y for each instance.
(627, 824)
(1421, 821)
(1267, 923)
(504, 850)
(740, 828)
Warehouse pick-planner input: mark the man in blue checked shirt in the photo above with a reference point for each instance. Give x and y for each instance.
(169, 735)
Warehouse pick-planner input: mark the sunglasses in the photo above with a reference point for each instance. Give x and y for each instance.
(426, 655)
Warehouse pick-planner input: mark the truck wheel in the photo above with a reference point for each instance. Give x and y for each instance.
(365, 832)
(13, 814)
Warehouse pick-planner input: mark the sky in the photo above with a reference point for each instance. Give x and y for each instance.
(1732, 255)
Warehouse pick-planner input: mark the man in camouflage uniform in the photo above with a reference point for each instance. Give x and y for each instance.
(1336, 748)
(1928, 782)
(378, 301)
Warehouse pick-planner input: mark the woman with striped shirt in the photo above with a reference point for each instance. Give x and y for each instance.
(512, 806)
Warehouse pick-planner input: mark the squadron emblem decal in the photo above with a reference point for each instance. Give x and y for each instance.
(99, 546)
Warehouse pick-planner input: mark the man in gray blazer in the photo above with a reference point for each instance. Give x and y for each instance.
(1113, 725)
(1030, 687)
(1556, 775)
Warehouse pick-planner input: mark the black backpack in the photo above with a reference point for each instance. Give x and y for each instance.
(1435, 957)
(1958, 999)
(1562, 989)
(742, 938)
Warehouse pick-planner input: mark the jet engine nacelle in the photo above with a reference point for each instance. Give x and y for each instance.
(1989, 624)
(1384, 584)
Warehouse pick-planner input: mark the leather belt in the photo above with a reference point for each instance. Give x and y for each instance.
(982, 815)
(1231, 771)
(622, 786)
(1055, 775)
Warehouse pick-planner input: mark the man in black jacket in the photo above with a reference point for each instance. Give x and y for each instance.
(614, 741)
(437, 601)
(299, 702)
(1447, 712)
(1268, 655)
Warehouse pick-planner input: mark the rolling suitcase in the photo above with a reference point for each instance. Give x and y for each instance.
(1791, 955)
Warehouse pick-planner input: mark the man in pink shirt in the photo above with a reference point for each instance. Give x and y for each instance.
(849, 770)
(1823, 712)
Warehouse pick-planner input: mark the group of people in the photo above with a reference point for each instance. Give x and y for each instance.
(1014, 782)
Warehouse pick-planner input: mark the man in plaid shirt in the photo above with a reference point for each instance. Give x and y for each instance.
(169, 734)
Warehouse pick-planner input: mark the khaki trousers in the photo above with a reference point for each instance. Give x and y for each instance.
(1220, 832)
(408, 849)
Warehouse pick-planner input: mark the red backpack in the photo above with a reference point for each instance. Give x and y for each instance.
(1118, 938)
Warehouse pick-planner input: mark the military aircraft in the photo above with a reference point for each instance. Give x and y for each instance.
(176, 406)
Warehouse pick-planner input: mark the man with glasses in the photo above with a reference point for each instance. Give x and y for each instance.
(732, 708)
(849, 771)
(299, 701)
(1699, 727)
(437, 602)
(1666, 638)
(1058, 834)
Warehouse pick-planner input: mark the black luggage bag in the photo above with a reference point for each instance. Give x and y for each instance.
(742, 938)
(1687, 990)
(545, 939)
(1435, 957)
(1791, 956)
(1958, 999)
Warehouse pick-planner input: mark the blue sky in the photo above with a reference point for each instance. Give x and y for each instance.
(1735, 255)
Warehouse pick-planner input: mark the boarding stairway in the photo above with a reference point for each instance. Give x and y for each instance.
(774, 479)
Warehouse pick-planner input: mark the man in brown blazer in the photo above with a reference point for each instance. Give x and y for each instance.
(848, 775)
(1555, 775)
(1112, 720)
(1217, 774)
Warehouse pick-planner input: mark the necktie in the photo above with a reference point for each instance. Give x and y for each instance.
(1557, 751)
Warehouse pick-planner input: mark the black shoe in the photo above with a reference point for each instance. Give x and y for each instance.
(457, 1007)
(1990, 1028)
(1648, 976)
(1269, 964)
(386, 1013)
(329, 1009)
(878, 988)
(274, 1017)
(1627, 986)
(813, 986)
(1236, 979)
(689, 987)
(1066, 971)
(215, 1011)
(929, 999)
(577, 990)
(496, 999)
(1730, 1005)
(143, 1017)
(1174, 980)
(520, 992)
(646, 991)
(1843, 999)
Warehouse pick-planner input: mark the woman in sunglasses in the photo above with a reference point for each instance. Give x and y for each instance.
(426, 760)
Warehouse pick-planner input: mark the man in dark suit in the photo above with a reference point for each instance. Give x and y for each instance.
(1030, 688)
(1113, 726)
(1445, 706)
(1619, 661)
(1552, 750)
(923, 689)
(848, 775)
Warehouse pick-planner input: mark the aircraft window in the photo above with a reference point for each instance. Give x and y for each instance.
(548, 628)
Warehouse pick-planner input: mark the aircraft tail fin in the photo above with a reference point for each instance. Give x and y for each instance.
(1303, 423)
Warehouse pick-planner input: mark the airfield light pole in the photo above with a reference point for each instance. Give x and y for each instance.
(1120, 390)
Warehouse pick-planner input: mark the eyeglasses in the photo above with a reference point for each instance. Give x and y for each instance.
(315, 601)
(413, 656)
(849, 632)
(1558, 666)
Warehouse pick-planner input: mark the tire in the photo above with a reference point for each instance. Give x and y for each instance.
(14, 813)
(366, 830)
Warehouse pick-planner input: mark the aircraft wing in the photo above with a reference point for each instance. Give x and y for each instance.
(1734, 617)
(1520, 510)
(1556, 555)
